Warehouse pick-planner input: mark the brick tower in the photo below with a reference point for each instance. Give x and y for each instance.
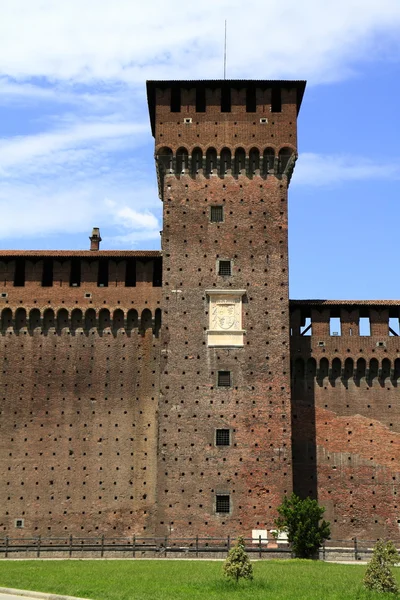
(225, 151)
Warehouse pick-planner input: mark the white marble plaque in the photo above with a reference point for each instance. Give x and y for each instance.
(225, 323)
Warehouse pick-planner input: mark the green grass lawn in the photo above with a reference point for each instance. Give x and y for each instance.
(187, 580)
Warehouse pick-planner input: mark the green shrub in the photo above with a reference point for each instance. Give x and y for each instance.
(301, 519)
(379, 576)
(238, 564)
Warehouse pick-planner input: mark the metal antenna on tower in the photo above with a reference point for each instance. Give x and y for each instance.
(225, 53)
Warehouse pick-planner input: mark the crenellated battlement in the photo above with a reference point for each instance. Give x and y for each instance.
(225, 127)
(78, 321)
(324, 319)
(223, 162)
(328, 370)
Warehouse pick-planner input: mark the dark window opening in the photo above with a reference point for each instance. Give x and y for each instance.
(175, 99)
(240, 161)
(225, 267)
(157, 272)
(222, 437)
(102, 275)
(224, 379)
(197, 161)
(226, 99)
(276, 100)
(217, 214)
(75, 273)
(19, 523)
(130, 272)
(19, 273)
(47, 275)
(222, 503)
(201, 99)
(251, 103)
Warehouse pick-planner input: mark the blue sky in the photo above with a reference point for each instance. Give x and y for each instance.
(76, 149)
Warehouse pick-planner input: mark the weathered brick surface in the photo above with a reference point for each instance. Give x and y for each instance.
(256, 469)
(346, 424)
(108, 419)
(78, 401)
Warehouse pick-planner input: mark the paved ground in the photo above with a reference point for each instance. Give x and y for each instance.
(13, 594)
(13, 597)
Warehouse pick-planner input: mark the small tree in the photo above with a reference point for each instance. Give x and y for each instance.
(379, 576)
(301, 519)
(238, 564)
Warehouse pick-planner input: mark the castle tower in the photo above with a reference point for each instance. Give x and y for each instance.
(225, 151)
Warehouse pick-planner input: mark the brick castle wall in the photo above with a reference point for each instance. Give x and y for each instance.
(346, 420)
(255, 469)
(78, 401)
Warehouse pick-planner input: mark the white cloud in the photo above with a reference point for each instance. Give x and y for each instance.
(81, 66)
(51, 208)
(17, 151)
(331, 170)
(120, 41)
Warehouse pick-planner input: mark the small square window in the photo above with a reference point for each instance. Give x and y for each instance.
(216, 214)
(224, 379)
(19, 523)
(225, 267)
(222, 437)
(222, 503)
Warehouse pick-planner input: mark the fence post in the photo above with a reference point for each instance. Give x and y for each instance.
(102, 545)
(323, 551)
(259, 547)
(38, 547)
(70, 545)
(197, 546)
(166, 545)
(6, 546)
(134, 546)
(228, 543)
(355, 549)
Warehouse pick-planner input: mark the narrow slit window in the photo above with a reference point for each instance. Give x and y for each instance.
(157, 272)
(175, 99)
(130, 272)
(217, 214)
(251, 104)
(47, 275)
(225, 268)
(222, 437)
(102, 277)
(224, 379)
(19, 274)
(276, 100)
(200, 99)
(75, 273)
(226, 99)
(222, 503)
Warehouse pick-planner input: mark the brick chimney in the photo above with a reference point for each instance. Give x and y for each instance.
(95, 239)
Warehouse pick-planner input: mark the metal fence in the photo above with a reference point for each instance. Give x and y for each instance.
(169, 547)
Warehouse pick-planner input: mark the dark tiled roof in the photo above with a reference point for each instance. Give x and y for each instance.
(316, 302)
(79, 253)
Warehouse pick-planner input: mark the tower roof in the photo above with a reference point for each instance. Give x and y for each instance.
(219, 83)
